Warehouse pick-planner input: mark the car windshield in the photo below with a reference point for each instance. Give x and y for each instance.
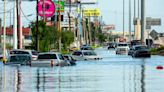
(47, 56)
(34, 53)
(121, 49)
(19, 52)
(86, 48)
(141, 47)
(60, 57)
(19, 58)
(89, 53)
(122, 45)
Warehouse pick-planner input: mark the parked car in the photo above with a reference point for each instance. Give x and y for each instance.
(86, 48)
(85, 55)
(50, 59)
(32, 53)
(141, 51)
(70, 59)
(122, 45)
(19, 59)
(111, 45)
(73, 48)
(130, 51)
(121, 50)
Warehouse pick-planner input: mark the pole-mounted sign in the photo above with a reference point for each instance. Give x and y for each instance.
(46, 8)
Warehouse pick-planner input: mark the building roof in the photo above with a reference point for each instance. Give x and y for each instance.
(9, 31)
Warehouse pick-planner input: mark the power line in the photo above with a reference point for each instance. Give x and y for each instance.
(25, 15)
(2, 8)
(8, 10)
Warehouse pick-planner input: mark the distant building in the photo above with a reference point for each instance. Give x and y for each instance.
(9, 36)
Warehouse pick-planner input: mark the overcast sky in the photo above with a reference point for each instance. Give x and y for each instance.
(111, 11)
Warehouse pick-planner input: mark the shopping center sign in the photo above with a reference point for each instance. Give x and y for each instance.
(46, 8)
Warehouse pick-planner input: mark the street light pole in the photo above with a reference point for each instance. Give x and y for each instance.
(142, 20)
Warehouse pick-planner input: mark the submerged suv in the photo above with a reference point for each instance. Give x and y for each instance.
(32, 53)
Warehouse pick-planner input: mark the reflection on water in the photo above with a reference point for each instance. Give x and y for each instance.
(112, 74)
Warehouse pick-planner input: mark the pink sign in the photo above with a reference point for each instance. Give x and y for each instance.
(46, 7)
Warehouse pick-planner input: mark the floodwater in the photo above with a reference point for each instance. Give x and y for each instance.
(114, 73)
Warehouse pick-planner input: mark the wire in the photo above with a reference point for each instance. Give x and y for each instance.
(1, 8)
(25, 15)
(8, 10)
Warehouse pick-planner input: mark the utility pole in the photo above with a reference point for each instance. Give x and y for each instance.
(15, 43)
(124, 18)
(129, 20)
(138, 8)
(44, 17)
(0, 29)
(18, 21)
(134, 17)
(59, 27)
(69, 15)
(20, 27)
(4, 33)
(36, 38)
(142, 20)
(89, 30)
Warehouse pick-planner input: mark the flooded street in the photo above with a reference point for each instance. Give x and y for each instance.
(114, 73)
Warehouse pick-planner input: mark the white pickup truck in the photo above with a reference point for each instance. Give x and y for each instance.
(50, 59)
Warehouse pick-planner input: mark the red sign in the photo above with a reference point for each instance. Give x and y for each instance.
(46, 8)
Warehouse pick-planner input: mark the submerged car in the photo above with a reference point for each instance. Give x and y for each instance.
(85, 55)
(141, 51)
(121, 50)
(50, 59)
(32, 53)
(130, 51)
(111, 46)
(19, 59)
(70, 59)
(86, 48)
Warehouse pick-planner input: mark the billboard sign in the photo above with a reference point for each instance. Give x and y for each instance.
(46, 8)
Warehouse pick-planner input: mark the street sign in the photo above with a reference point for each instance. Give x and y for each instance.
(154, 34)
(153, 21)
(46, 8)
(148, 26)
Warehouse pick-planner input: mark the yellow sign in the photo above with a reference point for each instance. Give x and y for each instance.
(90, 12)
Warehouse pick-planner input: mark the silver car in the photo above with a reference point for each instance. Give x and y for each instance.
(50, 59)
(85, 55)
